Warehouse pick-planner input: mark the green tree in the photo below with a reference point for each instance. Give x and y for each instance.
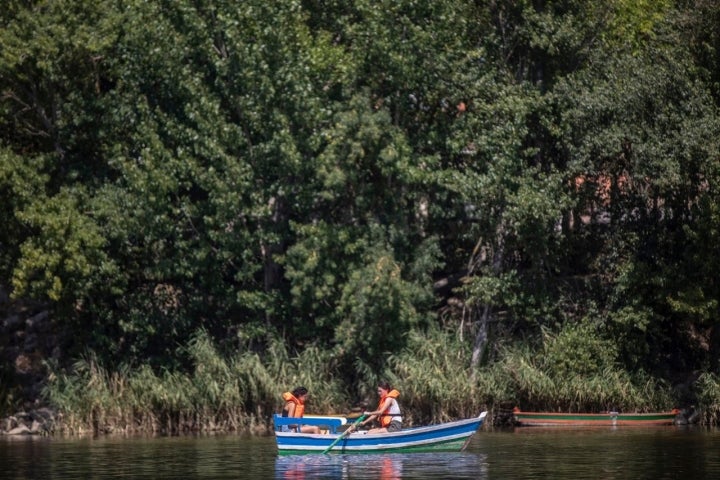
(642, 130)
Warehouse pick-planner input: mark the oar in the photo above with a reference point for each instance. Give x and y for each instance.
(342, 435)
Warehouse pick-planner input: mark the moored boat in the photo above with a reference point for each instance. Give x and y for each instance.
(450, 436)
(548, 419)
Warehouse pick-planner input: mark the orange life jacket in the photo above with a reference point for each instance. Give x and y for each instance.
(385, 419)
(299, 405)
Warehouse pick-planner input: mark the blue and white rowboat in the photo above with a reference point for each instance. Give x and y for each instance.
(450, 436)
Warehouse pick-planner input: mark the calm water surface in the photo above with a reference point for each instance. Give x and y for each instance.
(523, 453)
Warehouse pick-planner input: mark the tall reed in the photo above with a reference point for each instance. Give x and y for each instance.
(438, 383)
(535, 379)
(708, 393)
(433, 376)
(239, 392)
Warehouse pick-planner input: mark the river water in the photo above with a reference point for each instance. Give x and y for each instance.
(521, 453)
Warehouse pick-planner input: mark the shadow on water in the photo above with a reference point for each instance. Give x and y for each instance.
(382, 466)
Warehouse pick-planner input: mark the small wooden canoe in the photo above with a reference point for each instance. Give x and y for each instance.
(549, 419)
(450, 436)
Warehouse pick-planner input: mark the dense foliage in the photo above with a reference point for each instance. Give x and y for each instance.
(513, 198)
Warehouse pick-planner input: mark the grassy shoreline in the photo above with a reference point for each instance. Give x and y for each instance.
(241, 392)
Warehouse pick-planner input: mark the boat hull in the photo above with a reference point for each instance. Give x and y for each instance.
(451, 436)
(548, 419)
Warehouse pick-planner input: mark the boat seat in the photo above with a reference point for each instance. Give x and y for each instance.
(329, 423)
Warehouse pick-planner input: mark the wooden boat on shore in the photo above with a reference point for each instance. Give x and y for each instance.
(446, 437)
(548, 419)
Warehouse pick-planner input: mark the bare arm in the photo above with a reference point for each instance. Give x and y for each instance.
(375, 413)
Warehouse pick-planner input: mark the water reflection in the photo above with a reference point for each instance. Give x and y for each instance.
(389, 466)
(610, 454)
(615, 454)
(137, 457)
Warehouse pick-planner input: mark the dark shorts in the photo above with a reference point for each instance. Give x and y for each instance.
(395, 426)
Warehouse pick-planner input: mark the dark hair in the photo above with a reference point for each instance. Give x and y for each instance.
(385, 386)
(299, 392)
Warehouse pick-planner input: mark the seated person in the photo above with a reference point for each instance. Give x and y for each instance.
(295, 407)
(388, 411)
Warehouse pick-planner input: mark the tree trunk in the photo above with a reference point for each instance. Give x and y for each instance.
(272, 270)
(481, 337)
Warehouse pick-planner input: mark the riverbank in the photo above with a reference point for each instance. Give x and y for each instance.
(45, 422)
(217, 391)
(39, 421)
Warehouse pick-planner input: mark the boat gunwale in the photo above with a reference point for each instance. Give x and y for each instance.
(588, 419)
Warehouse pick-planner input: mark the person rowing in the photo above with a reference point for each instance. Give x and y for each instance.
(387, 413)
